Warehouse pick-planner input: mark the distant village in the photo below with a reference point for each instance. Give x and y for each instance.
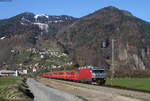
(45, 52)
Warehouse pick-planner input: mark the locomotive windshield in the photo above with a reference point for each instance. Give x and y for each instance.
(98, 71)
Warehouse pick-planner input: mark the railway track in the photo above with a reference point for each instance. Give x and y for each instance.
(112, 92)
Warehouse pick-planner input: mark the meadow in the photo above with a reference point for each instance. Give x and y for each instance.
(6, 81)
(133, 83)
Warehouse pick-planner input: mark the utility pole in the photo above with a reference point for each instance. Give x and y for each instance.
(113, 55)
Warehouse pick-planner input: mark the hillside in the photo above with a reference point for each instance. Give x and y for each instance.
(89, 40)
(25, 31)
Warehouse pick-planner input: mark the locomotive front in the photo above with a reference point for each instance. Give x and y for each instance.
(98, 75)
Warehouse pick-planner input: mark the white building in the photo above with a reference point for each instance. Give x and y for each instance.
(8, 73)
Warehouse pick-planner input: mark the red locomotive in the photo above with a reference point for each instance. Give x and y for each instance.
(89, 75)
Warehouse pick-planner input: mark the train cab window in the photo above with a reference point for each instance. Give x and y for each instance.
(98, 71)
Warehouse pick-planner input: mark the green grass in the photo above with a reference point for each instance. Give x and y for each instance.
(21, 58)
(6, 81)
(2, 99)
(135, 83)
(11, 88)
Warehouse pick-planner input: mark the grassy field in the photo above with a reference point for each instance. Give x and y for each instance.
(10, 89)
(6, 81)
(134, 83)
(2, 99)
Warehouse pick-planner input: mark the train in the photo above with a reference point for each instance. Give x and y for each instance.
(92, 75)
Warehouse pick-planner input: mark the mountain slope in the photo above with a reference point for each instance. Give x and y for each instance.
(34, 24)
(88, 40)
(26, 30)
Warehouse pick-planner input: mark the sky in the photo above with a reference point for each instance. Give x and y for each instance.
(75, 8)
